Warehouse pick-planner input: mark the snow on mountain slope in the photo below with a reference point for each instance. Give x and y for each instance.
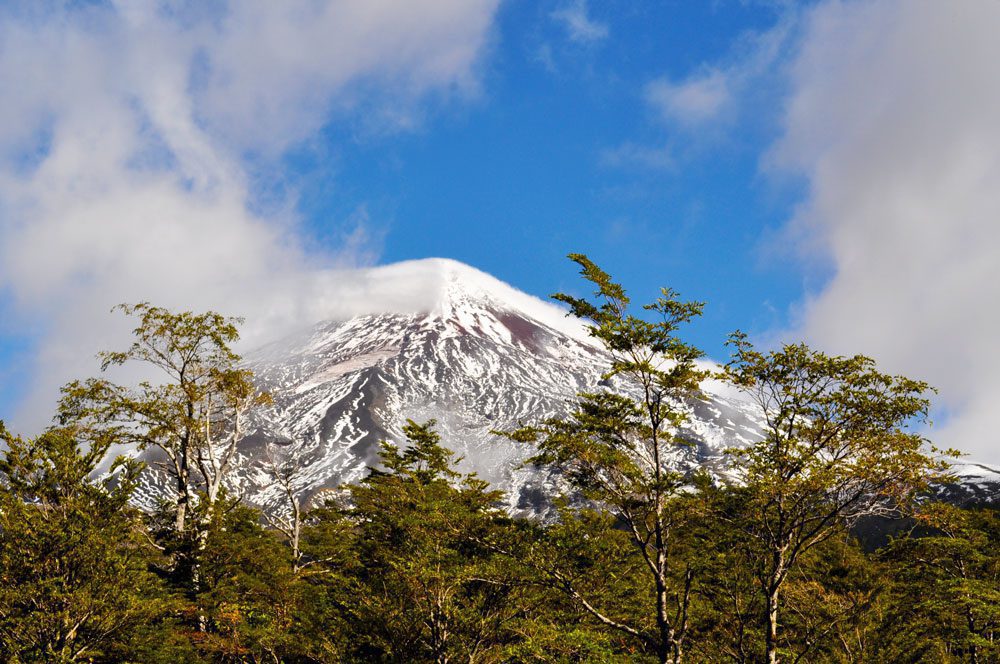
(975, 483)
(469, 351)
(482, 357)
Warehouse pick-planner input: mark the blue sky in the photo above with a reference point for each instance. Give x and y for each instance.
(525, 173)
(821, 170)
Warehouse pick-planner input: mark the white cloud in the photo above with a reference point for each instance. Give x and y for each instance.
(892, 119)
(132, 134)
(575, 18)
(265, 55)
(692, 101)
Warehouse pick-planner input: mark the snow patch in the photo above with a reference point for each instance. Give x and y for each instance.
(347, 366)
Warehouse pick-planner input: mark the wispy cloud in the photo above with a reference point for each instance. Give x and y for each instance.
(701, 108)
(692, 101)
(580, 27)
(636, 154)
(135, 137)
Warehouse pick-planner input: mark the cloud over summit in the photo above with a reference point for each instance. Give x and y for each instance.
(131, 135)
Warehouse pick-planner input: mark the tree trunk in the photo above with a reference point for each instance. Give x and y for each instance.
(663, 653)
(771, 637)
(670, 649)
(679, 633)
(296, 534)
(971, 621)
(180, 520)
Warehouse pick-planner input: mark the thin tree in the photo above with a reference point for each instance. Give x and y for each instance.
(839, 444)
(194, 414)
(285, 470)
(621, 451)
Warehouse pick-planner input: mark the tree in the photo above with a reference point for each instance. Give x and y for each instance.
(329, 569)
(427, 588)
(838, 444)
(285, 470)
(249, 596)
(620, 451)
(830, 599)
(74, 584)
(946, 594)
(195, 416)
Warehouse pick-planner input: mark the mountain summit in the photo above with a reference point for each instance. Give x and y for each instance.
(464, 349)
(461, 347)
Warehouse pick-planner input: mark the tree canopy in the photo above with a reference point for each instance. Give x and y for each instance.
(643, 558)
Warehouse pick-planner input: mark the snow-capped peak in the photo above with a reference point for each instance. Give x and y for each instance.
(451, 290)
(438, 339)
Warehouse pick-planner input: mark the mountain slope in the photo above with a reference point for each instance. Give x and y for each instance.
(483, 357)
(474, 354)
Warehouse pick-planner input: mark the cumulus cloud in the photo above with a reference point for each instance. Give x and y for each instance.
(892, 120)
(580, 27)
(133, 137)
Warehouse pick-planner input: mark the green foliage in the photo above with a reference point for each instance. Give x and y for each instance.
(248, 596)
(428, 587)
(194, 414)
(419, 562)
(830, 598)
(616, 450)
(640, 348)
(946, 598)
(74, 579)
(837, 431)
(837, 445)
(328, 585)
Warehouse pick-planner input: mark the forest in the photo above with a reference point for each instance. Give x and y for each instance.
(825, 543)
